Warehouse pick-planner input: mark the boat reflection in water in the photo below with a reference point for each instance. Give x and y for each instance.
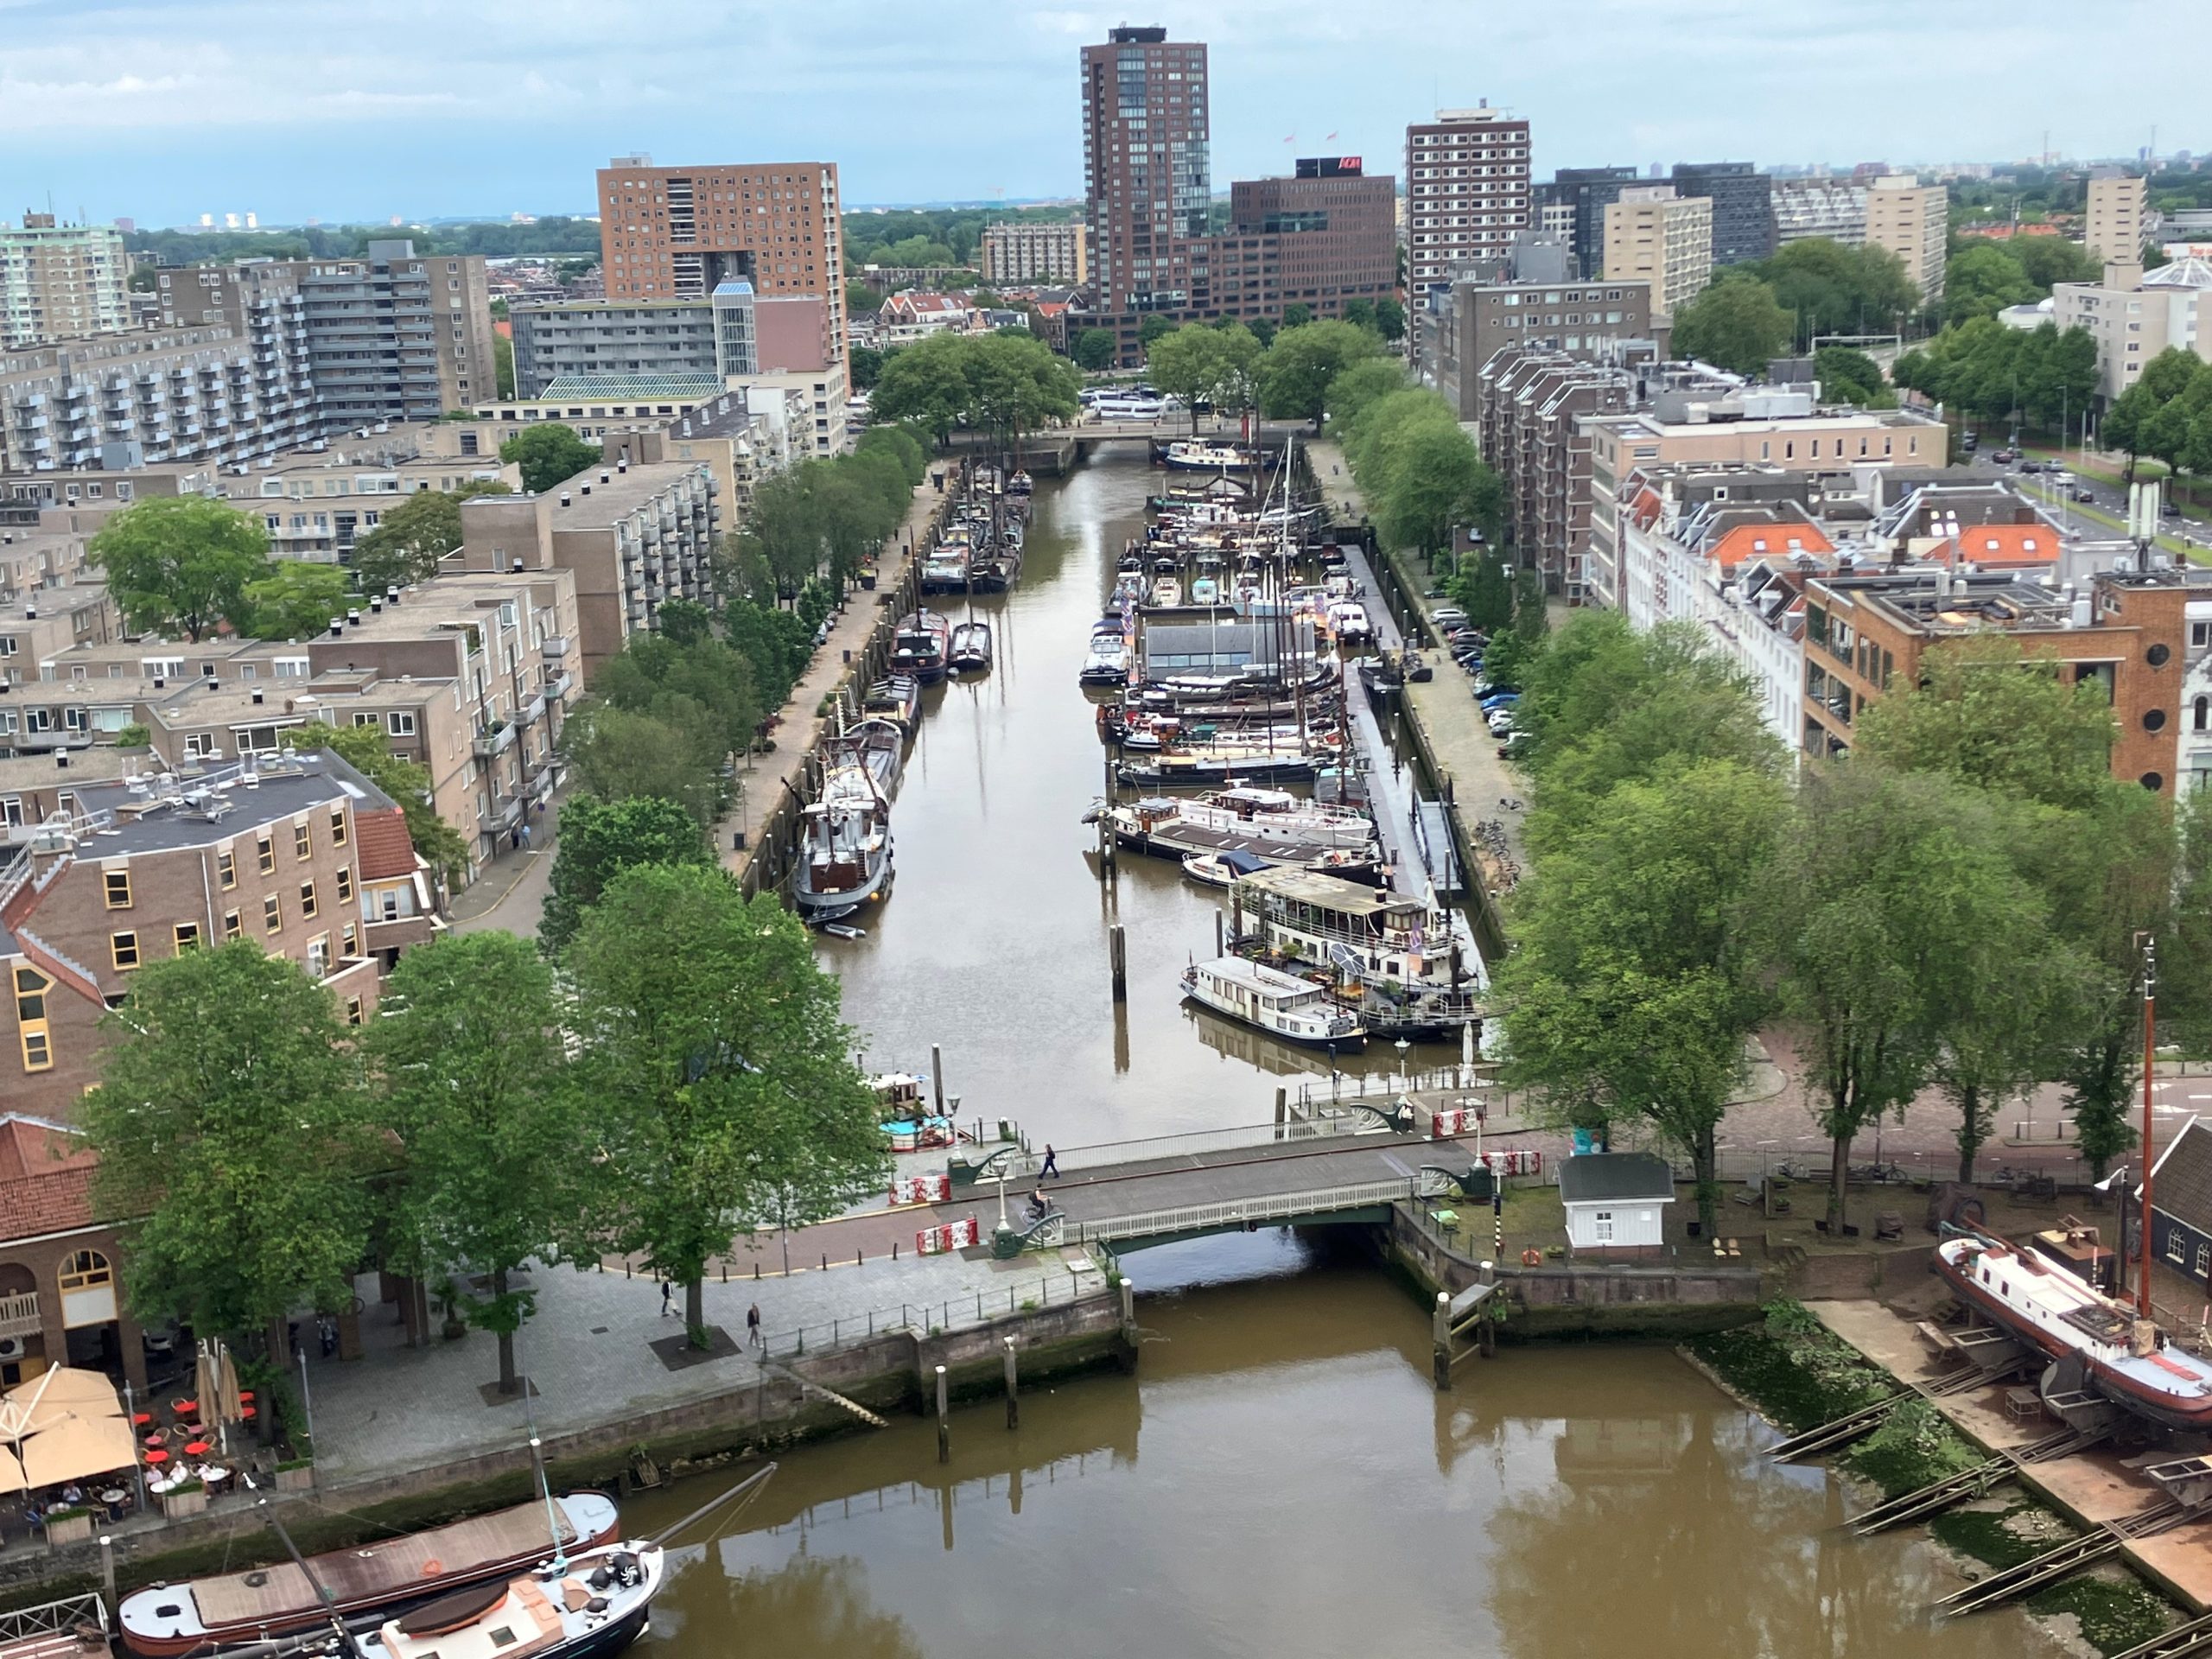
(1234, 1040)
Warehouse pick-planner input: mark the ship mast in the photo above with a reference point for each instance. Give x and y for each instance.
(2150, 1055)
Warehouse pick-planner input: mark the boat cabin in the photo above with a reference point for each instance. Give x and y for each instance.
(1313, 918)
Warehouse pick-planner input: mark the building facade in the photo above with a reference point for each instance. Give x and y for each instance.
(1327, 235)
(2133, 315)
(1656, 236)
(1577, 198)
(1913, 221)
(397, 335)
(259, 301)
(1461, 327)
(1834, 209)
(1025, 250)
(716, 337)
(1531, 401)
(150, 395)
(1467, 191)
(1743, 207)
(61, 282)
(680, 232)
(2117, 224)
(1146, 172)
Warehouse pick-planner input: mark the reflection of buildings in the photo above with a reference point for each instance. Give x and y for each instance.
(1621, 1448)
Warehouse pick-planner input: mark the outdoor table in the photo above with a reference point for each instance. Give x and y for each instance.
(214, 1478)
(197, 1449)
(115, 1499)
(156, 1456)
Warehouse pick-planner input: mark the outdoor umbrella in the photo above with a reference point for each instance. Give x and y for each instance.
(77, 1448)
(11, 1474)
(216, 1377)
(62, 1394)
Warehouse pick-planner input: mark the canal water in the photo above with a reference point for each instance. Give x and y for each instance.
(1282, 1478)
(995, 941)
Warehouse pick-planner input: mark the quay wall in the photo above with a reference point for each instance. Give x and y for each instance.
(759, 1413)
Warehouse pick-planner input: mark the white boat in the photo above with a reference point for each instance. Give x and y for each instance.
(1348, 620)
(586, 1606)
(1166, 591)
(1291, 1009)
(1108, 661)
(1205, 591)
(844, 836)
(1196, 456)
(1410, 966)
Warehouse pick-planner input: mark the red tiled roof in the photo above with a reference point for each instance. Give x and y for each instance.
(386, 850)
(45, 1182)
(1995, 547)
(1768, 541)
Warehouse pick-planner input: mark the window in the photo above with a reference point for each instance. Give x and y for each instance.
(1601, 1223)
(85, 1270)
(338, 826)
(319, 955)
(272, 913)
(231, 927)
(400, 722)
(352, 1010)
(306, 899)
(118, 888)
(345, 883)
(188, 936)
(2176, 1246)
(2200, 635)
(226, 869)
(350, 940)
(265, 846)
(31, 987)
(302, 843)
(122, 947)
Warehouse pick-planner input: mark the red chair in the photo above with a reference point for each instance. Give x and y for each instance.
(142, 1420)
(247, 1412)
(185, 1408)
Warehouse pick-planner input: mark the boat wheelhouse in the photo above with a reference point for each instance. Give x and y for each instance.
(1408, 966)
(1292, 1009)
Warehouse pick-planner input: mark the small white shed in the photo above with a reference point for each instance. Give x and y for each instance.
(1616, 1201)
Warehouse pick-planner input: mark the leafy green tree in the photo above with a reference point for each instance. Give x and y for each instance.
(1636, 976)
(926, 382)
(411, 539)
(1736, 324)
(1984, 279)
(1358, 388)
(133, 736)
(503, 364)
(775, 644)
(901, 444)
(1889, 888)
(1295, 373)
(867, 366)
(1154, 325)
(2047, 261)
(1389, 319)
(368, 751)
(1296, 316)
(295, 600)
(1094, 348)
(1484, 589)
(1360, 314)
(1264, 330)
(549, 453)
(1204, 365)
(1852, 378)
(474, 1087)
(652, 668)
(672, 751)
(182, 562)
(1436, 482)
(600, 839)
(1833, 289)
(229, 1123)
(723, 1076)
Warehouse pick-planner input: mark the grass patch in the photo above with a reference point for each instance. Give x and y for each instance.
(1914, 1447)
(2001, 1538)
(2115, 1614)
(1793, 1368)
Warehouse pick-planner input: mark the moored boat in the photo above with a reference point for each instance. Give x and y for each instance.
(586, 1606)
(1108, 660)
(1410, 968)
(971, 648)
(897, 699)
(921, 647)
(844, 836)
(203, 1616)
(1291, 1009)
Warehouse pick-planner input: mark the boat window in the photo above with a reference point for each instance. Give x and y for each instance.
(503, 1638)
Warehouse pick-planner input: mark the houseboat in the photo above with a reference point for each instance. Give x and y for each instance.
(2126, 1359)
(971, 648)
(1410, 967)
(587, 1607)
(205, 1616)
(1196, 456)
(1166, 591)
(845, 838)
(945, 571)
(897, 699)
(1292, 1010)
(922, 647)
(1106, 663)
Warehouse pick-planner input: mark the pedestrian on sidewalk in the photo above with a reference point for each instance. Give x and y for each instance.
(667, 1294)
(1051, 1163)
(753, 1326)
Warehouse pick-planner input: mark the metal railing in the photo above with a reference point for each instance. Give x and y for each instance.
(959, 1313)
(1277, 1207)
(64, 1618)
(1322, 1124)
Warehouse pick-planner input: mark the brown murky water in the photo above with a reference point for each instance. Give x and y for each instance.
(1281, 1479)
(995, 942)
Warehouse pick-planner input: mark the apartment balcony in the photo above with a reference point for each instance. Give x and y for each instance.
(507, 810)
(555, 648)
(557, 687)
(531, 712)
(489, 745)
(19, 1316)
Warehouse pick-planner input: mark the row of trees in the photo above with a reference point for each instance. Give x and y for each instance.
(1982, 277)
(826, 518)
(1759, 310)
(1003, 385)
(685, 1076)
(2040, 376)
(1958, 907)
(2166, 413)
(1417, 469)
(554, 234)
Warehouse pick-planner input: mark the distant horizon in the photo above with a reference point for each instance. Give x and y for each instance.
(160, 111)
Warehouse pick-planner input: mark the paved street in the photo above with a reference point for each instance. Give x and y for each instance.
(586, 1351)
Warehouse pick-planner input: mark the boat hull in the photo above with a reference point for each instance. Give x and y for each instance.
(817, 906)
(1349, 1043)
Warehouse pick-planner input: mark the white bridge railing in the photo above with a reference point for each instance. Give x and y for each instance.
(1271, 1207)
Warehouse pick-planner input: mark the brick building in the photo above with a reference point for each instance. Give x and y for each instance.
(59, 1301)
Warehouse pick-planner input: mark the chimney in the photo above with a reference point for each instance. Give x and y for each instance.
(375, 603)
(159, 682)
(212, 683)
(604, 477)
(585, 490)
(518, 564)
(564, 498)
(353, 619)
(337, 628)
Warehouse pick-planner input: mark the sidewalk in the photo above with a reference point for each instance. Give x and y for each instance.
(509, 892)
(763, 780)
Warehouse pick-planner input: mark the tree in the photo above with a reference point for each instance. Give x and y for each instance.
(1736, 324)
(1834, 289)
(2047, 261)
(228, 1122)
(368, 752)
(1358, 388)
(1889, 889)
(503, 364)
(1984, 279)
(473, 1086)
(411, 539)
(1637, 976)
(1153, 327)
(549, 454)
(1204, 365)
(868, 365)
(295, 600)
(1095, 348)
(1436, 483)
(182, 562)
(1484, 589)
(1852, 376)
(600, 839)
(1295, 375)
(672, 752)
(1389, 319)
(1296, 316)
(723, 1076)
(926, 382)
(1360, 314)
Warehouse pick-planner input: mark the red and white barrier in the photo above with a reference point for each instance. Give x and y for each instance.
(1517, 1162)
(964, 1234)
(953, 1236)
(921, 1189)
(1453, 1122)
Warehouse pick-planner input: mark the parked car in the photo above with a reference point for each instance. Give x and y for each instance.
(2004, 457)
(2032, 465)
(1501, 724)
(1970, 442)
(1448, 616)
(1515, 746)
(1498, 700)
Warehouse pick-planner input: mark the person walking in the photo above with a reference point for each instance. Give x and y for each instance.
(1051, 1163)
(667, 1295)
(753, 1326)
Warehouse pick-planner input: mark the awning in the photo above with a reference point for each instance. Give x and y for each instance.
(79, 1449)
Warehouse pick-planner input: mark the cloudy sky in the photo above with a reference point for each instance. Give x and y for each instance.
(163, 110)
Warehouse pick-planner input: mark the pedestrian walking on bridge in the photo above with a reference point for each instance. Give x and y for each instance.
(1051, 1163)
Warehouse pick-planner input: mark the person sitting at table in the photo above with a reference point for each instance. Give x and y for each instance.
(72, 1495)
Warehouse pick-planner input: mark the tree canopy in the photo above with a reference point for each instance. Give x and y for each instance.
(601, 838)
(549, 453)
(182, 563)
(1295, 374)
(1984, 370)
(295, 600)
(1736, 324)
(1003, 383)
(411, 539)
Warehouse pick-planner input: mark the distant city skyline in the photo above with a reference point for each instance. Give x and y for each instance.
(160, 111)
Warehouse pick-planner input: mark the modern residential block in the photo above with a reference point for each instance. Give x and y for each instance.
(397, 335)
(1743, 207)
(1460, 327)
(1025, 251)
(2117, 224)
(1655, 236)
(2134, 315)
(60, 281)
(714, 337)
(1467, 191)
(1147, 174)
(1573, 202)
(1832, 208)
(1913, 221)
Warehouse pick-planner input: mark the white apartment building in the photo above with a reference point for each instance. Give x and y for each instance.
(1913, 221)
(2133, 316)
(1466, 191)
(1022, 251)
(1833, 208)
(58, 281)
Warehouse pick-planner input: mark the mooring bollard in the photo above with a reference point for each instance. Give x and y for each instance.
(1012, 1384)
(1117, 949)
(944, 1421)
(1441, 1336)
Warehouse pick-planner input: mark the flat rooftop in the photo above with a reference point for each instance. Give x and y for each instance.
(145, 815)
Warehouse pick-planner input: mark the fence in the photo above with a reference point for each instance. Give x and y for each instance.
(1322, 1124)
(925, 1318)
(1280, 1206)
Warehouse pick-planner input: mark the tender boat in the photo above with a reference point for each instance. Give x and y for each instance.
(1222, 869)
(2125, 1359)
(588, 1606)
(971, 648)
(1167, 592)
(921, 647)
(203, 1616)
(1292, 1009)
(844, 846)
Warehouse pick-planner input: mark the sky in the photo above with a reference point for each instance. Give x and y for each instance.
(356, 111)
